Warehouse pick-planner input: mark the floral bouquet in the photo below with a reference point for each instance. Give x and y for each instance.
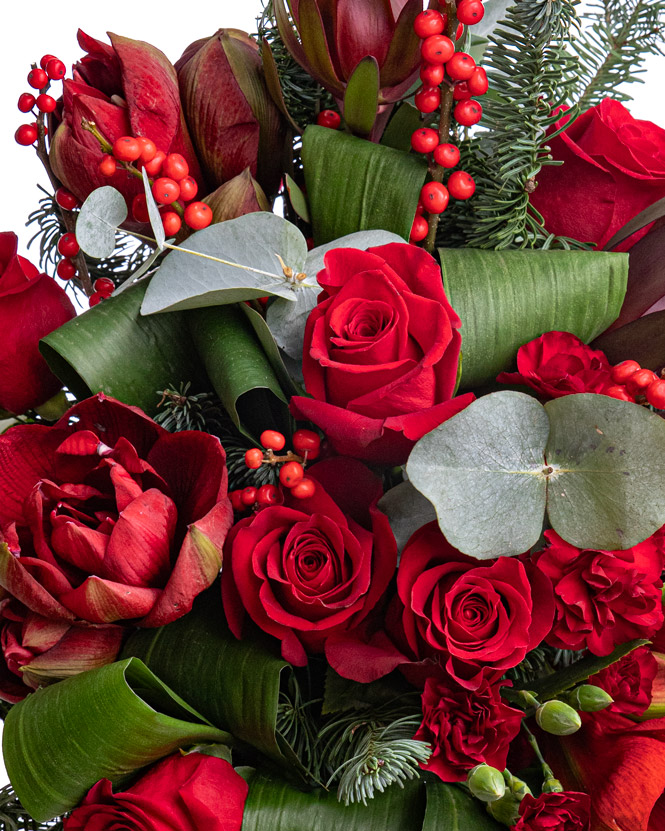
(332, 479)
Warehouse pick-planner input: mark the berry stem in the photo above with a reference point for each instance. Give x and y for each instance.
(437, 171)
(273, 459)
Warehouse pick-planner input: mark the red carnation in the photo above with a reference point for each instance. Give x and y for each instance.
(629, 681)
(567, 811)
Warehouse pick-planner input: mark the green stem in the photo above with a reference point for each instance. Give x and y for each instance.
(547, 770)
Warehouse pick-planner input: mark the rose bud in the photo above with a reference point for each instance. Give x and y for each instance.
(233, 120)
(486, 783)
(31, 306)
(558, 718)
(589, 699)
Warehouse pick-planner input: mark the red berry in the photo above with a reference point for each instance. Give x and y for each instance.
(44, 61)
(437, 49)
(424, 140)
(640, 380)
(165, 190)
(434, 197)
(619, 393)
(329, 118)
(254, 458)
(446, 155)
(460, 67)
(95, 298)
(420, 210)
(175, 167)
(431, 74)
(56, 69)
(656, 394)
(188, 188)
(419, 229)
(468, 112)
(461, 91)
(66, 270)
(427, 99)
(291, 473)
(267, 495)
(470, 12)
(26, 134)
(622, 372)
(140, 208)
(68, 246)
(148, 149)
(107, 166)
(427, 23)
(272, 439)
(104, 285)
(307, 441)
(461, 185)
(171, 222)
(304, 488)
(478, 83)
(126, 149)
(198, 215)
(26, 101)
(37, 78)
(236, 501)
(66, 199)
(153, 167)
(248, 495)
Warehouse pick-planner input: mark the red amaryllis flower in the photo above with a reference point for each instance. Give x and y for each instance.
(603, 598)
(127, 89)
(465, 728)
(567, 811)
(190, 793)
(311, 568)
(31, 306)
(629, 681)
(381, 352)
(107, 517)
(559, 363)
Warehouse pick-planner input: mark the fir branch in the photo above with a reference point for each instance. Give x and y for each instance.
(296, 723)
(614, 43)
(14, 817)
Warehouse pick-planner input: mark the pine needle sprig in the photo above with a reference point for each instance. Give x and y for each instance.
(185, 411)
(14, 817)
(616, 38)
(296, 723)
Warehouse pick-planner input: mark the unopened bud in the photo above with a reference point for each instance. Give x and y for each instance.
(558, 718)
(486, 783)
(505, 810)
(552, 786)
(589, 699)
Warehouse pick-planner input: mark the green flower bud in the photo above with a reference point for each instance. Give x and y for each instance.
(486, 783)
(552, 786)
(589, 699)
(505, 810)
(558, 718)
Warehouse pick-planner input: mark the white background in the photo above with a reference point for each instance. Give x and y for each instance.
(31, 28)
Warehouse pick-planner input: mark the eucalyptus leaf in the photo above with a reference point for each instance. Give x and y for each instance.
(495, 10)
(104, 723)
(153, 212)
(449, 808)
(254, 249)
(407, 511)
(102, 213)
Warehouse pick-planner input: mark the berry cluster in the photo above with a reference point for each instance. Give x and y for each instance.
(39, 78)
(458, 72)
(641, 386)
(172, 186)
(306, 447)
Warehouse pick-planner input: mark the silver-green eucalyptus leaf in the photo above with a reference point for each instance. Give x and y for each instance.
(102, 213)
(153, 212)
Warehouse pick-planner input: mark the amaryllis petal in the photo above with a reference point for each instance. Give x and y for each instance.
(404, 42)
(81, 546)
(237, 197)
(19, 583)
(364, 27)
(315, 45)
(103, 601)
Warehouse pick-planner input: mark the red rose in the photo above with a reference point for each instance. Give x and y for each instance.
(107, 517)
(568, 811)
(187, 793)
(465, 728)
(602, 598)
(614, 167)
(629, 681)
(558, 363)
(31, 306)
(311, 568)
(381, 352)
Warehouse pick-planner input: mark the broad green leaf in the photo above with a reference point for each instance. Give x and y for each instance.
(507, 298)
(407, 510)
(112, 349)
(402, 125)
(361, 98)
(100, 216)
(153, 212)
(239, 369)
(297, 198)
(346, 184)
(565, 679)
(449, 808)
(273, 804)
(104, 723)
(267, 341)
(483, 472)
(250, 246)
(608, 486)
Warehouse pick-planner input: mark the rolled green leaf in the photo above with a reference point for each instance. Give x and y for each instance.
(105, 723)
(450, 808)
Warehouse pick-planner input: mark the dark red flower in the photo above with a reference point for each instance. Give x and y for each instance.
(31, 306)
(188, 793)
(381, 352)
(106, 517)
(629, 681)
(567, 811)
(602, 598)
(310, 568)
(558, 363)
(465, 728)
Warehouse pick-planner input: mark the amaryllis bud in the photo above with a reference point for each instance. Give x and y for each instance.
(486, 783)
(558, 718)
(237, 197)
(589, 698)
